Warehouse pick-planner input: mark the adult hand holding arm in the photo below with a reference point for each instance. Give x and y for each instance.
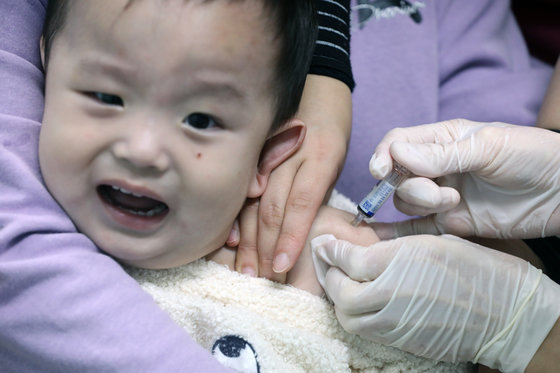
(273, 229)
(284, 215)
(444, 298)
(486, 179)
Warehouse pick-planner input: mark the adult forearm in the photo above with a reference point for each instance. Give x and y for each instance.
(549, 114)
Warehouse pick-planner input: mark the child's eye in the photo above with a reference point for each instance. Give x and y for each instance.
(107, 98)
(199, 121)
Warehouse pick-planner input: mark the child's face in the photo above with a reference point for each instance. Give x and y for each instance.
(154, 120)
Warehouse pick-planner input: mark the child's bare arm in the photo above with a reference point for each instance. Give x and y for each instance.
(329, 221)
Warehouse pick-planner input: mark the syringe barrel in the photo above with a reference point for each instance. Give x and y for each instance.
(397, 175)
(382, 191)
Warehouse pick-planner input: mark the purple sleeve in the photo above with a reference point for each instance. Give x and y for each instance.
(486, 71)
(64, 306)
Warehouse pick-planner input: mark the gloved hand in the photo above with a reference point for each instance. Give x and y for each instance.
(491, 180)
(440, 297)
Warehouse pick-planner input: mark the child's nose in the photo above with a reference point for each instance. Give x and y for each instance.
(143, 146)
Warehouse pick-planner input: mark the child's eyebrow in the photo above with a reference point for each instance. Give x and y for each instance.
(220, 90)
(117, 70)
(209, 85)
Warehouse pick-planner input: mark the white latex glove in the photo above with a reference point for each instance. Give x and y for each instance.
(491, 180)
(440, 297)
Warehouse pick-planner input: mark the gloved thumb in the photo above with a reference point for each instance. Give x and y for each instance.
(358, 262)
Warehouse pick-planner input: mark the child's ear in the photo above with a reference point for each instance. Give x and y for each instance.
(277, 148)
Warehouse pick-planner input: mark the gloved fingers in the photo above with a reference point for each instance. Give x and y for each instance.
(446, 298)
(424, 225)
(386, 326)
(353, 297)
(358, 262)
(385, 231)
(422, 196)
(365, 324)
(381, 162)
(468, 154)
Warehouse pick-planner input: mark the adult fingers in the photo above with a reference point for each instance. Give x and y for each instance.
(350, 282)
(424, 225)
(233, 238)
(306, 196)
(359, 262)
(381, 162)
(353, 297)
(271, 217)
(247, 258)
(457, 223)
(467, 154)
(385, 231)
(422, 196)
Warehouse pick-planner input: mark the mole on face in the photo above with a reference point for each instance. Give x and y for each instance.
(198, 155)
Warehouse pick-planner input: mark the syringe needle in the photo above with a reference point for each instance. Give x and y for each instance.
(357, 219)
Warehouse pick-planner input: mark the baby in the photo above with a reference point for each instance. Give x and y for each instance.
(161, 118)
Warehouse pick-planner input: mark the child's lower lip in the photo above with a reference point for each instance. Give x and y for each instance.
(133, 221)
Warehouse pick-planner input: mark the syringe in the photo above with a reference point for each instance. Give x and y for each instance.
(380, 193)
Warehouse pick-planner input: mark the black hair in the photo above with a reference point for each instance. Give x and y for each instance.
(295, 25)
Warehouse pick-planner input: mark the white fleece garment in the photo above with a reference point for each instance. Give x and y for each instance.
(256, 325)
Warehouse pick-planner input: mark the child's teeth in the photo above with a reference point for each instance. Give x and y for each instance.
(126, 191)
(152, 212)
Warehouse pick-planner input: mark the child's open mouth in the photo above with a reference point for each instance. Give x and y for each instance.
(131, 206)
